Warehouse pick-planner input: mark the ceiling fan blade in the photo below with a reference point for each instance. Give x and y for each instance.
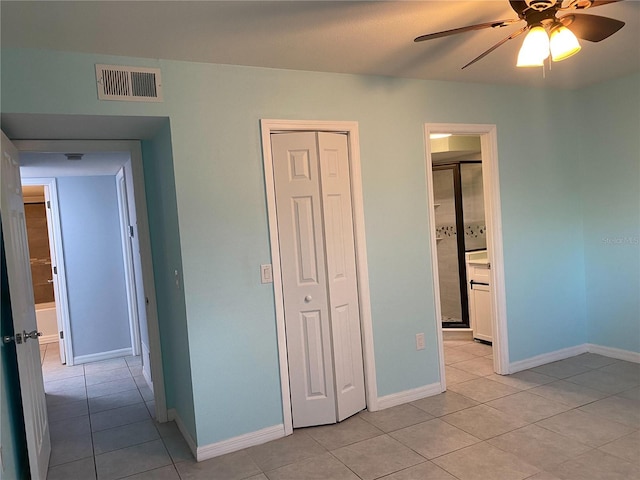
(519, 6)
(454, 31)
(599, 3)
(583, 4)
(500, 43)
(592, 28)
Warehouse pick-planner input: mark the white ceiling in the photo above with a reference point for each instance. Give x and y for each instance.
(36, 165)
(362, 37)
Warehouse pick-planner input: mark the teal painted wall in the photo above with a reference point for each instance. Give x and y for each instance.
(214, 111)
(165, 246)
(611, 195)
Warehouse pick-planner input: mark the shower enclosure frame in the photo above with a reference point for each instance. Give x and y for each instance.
(462, 272)
(460, 241)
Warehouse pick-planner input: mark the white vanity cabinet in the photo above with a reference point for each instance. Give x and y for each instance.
(479, 292)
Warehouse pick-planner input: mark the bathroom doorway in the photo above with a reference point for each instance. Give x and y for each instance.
(466, 239)
(460, 229)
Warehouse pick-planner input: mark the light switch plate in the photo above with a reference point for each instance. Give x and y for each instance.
(419, 341)
(266, 273)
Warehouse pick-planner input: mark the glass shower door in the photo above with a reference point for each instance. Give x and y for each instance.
(475, 230)
(450, 244)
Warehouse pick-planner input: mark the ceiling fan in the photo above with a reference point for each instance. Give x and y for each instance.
(548, 34)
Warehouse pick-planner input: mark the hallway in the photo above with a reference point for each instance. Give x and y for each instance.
(101, 421)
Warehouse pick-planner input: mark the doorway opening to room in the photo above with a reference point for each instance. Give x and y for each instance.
(466, 247)
(460, 227)
(319, 270)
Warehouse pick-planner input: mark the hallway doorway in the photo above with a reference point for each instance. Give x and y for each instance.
(121, 158)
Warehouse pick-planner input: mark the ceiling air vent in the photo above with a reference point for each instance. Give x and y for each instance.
(131, 84)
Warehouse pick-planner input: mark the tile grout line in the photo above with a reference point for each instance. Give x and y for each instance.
(93, 446)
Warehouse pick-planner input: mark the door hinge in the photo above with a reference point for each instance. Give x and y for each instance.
(131, 231)
(12, 338)
(55, 270)
(49, 204)
(61, 335)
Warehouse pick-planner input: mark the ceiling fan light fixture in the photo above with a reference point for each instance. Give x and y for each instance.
(563, 44)
(535, 48)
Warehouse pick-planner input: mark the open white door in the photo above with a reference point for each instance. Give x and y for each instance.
(23, 310)
(54, 274)
(126, 233)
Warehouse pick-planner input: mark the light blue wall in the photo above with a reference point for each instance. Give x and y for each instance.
(165, 245)
(214, 112)
(90, 227)
(610, 159)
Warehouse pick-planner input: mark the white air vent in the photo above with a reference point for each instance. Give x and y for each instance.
(131, 84)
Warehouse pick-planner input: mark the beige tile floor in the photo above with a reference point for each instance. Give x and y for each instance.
(576, 419)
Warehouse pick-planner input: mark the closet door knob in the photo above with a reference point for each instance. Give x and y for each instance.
(308, 298)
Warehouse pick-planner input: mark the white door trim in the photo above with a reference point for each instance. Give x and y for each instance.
(269, 126)
(135, 151)
(127, 257)
(59, 280)
(493, 218)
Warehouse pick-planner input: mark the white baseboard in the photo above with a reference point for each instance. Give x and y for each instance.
(48, 339)
(173, 416)
(238, 443)
(146, 365)
(406, 396)
(618, 353)
(97, 357)
(547, 358)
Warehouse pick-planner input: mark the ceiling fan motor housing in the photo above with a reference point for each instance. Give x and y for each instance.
(541, 5)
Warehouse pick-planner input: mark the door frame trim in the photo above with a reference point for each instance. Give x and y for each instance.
(59, 284)
(135, 151)
(493, 218)
(269, 126)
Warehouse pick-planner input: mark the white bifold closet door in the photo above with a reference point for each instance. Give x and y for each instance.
(319, 278)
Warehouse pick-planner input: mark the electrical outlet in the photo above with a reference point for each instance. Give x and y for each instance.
(266, 273)
(419, 341)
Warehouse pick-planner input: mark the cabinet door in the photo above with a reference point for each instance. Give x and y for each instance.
(481, 312)
(480, 302)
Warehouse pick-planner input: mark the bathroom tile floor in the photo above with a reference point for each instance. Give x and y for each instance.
(576, 419)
